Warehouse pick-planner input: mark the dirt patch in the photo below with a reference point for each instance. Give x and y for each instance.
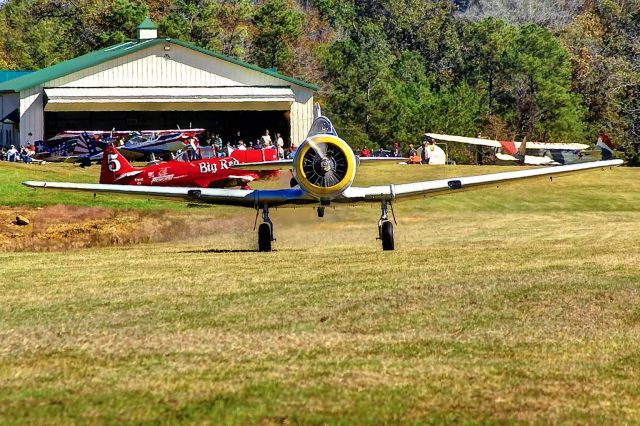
(58, 228)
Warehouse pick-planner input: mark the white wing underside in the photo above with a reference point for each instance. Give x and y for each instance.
(530, 160)
(295, 196)
(497, 144)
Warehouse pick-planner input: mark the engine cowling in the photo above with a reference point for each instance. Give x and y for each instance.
(324, 166)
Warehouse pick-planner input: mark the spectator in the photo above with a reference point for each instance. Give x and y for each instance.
(12, 154)
(25, 155)
(280, 145)
(217, 140)
(265, 139)
(414, 158)
(365, 152)
(395, 149)
(292, 150)
(241, 146)
(205, 140)
(424, 154)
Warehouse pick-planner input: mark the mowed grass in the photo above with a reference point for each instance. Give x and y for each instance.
(518, 304)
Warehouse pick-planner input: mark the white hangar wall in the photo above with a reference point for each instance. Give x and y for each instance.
(156, 67)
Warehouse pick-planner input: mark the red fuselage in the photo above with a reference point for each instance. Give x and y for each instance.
(207, 173)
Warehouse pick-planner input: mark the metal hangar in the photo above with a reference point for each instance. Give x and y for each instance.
(153, 83)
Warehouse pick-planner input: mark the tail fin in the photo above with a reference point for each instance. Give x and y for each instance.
(115, 167)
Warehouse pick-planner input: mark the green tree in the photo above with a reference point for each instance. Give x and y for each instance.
(485, 47)
(120, 21)
(278, 25)
(540, 88)
(357, 68)
(195, 21)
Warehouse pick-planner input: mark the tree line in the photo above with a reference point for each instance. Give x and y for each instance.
(549, 70)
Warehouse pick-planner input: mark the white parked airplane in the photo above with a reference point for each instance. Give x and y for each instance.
(324, 167)
(515, 152)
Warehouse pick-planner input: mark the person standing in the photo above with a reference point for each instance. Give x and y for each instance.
(280, 145)
(424, 154)
(395, 149)
(265, 139)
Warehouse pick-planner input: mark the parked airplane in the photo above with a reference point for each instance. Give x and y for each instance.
(324, 167)
(511, 152)
(158, 142)
(182, 172)
(87, 145)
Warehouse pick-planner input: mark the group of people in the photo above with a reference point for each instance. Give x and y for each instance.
(393, 151)
(12, 154)
(263, 142)
(420, 155)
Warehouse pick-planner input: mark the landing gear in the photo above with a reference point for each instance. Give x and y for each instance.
(265, 231)
(320, 211)
(385, 228)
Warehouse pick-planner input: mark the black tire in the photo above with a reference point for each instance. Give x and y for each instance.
(386, 234)
(264, 237)
(320, 211)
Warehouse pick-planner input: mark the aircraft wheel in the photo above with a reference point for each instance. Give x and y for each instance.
(264, 237)
(320, 211)
(386, 234)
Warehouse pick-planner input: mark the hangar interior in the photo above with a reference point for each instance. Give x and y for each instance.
(251, 124)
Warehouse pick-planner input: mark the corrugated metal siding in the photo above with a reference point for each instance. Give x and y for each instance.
(31, 115)
(301, 116)
(150, 68)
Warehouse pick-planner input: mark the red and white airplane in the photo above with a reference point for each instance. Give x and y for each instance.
(324, 168)
(513, 152)
(201, 173)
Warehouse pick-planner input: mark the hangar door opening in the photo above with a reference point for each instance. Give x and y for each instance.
(250, 124)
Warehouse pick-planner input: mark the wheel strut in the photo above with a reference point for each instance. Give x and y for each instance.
(265, 231)
(385, 227)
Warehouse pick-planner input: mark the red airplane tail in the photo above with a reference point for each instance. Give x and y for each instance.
(115, 168)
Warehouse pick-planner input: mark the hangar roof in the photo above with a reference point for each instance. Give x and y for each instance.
(100, 56)
(6, 75)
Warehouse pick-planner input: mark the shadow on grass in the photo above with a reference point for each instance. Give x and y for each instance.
(205, 251)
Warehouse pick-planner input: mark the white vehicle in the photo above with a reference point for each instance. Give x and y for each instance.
(324, 167)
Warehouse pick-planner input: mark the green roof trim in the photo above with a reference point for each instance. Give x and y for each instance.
(6, 75)
(113, 52)
(147, 24)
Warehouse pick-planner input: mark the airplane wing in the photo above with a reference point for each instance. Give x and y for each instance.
(497, 144)
(233, 197)
(288, 164)
(296, 196)
(449, 185)
(469, 141)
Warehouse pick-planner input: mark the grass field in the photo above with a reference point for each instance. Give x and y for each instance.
(504, 305)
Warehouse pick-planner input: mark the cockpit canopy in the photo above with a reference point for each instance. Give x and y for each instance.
(322, 126)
